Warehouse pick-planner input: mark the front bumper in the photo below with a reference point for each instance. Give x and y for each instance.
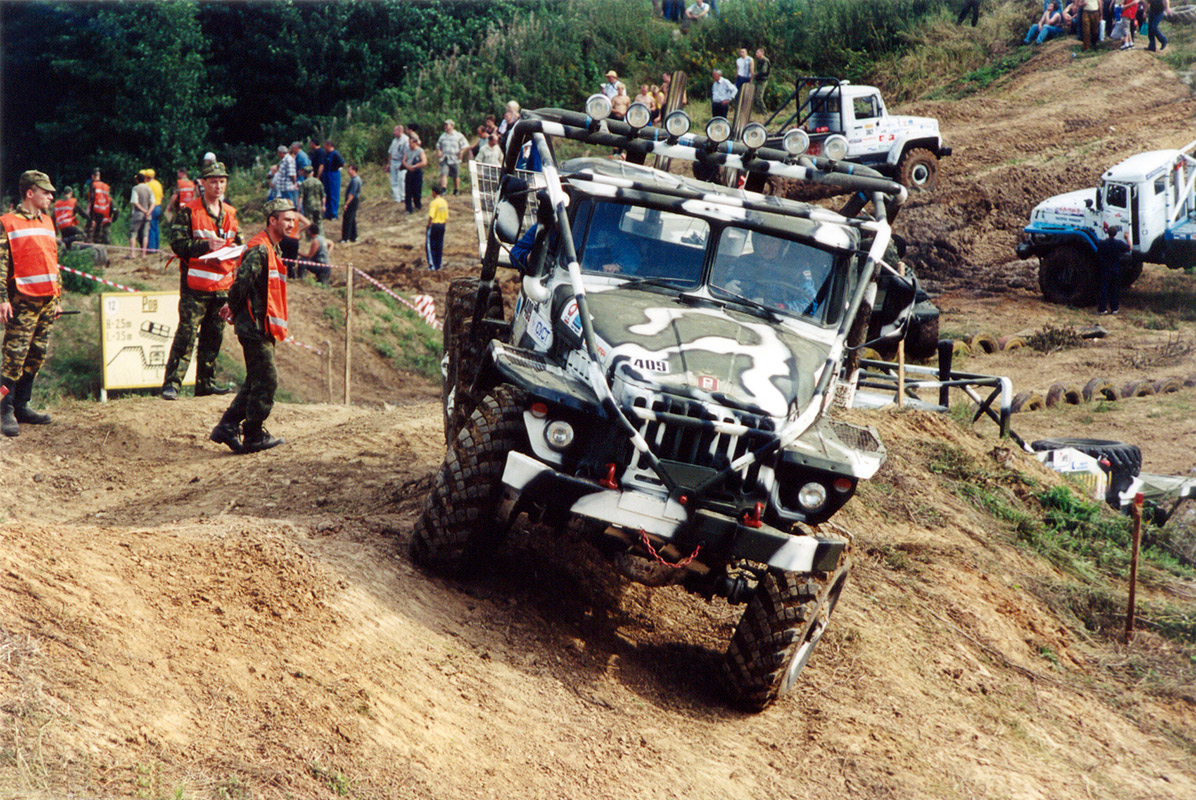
(667, 519)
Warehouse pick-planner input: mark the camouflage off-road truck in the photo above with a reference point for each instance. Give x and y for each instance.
(667, 375)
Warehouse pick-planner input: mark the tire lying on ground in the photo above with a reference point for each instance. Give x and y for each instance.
(1027, 401)
(1068, 394)
(1099, 389)
(1168, 385)
(1125, 460)
(1184, 15)
(1137, 389)
(986, 342)
(1011, 342)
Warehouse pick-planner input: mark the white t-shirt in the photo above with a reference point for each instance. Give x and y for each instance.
(743, 67)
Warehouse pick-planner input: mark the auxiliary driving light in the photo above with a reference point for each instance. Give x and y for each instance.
(754, 135)
(598, 107)
(559, 435)
(677, 123)
(796, 142)
(812, 496)
(835, 147)
(638, 115)
(718, 130)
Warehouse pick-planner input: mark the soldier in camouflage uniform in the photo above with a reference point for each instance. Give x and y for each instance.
(200, 299)
(29, 290)
(312, 197)
(257, 308)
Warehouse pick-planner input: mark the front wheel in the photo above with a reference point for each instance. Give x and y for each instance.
(1067, 274)
(778, 632)
(459, 525)
(919, 170)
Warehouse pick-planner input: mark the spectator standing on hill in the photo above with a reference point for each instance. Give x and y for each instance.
(65, 219)
(184, 192)
(320, 251)
(204, 225)
(760, 76)
(316, 156)
(141, 207)
(722, 92)
(352, 202)
(394, 162)
(1124, 29)
(99, 209)
(332, 179)
(451, 147)
(1109, 254)
(647, 98)
(414, 163)
(312, 192)
(509, 117)
(289, 246)
(620, 102)
(29, 291)
(743, 69)
(610, 88)
(969, 5)
(286, 179)
(699, 10)
(1090, 22)
(434, 236)
(1049, 25)
(301, 162)
(156, 213)
(1156, 10)
(489, 151)
(257, 309)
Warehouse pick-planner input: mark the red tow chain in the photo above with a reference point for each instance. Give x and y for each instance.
(652, 550)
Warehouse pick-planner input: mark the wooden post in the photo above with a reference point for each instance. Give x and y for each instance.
(328, 371)
(348, 328)
(901, 354)
(1136, 513)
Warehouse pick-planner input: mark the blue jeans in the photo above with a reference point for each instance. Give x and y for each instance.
(1155, 33)
(154, 234)
(1040, 36)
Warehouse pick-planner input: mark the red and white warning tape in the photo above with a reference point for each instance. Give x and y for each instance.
(424, 305)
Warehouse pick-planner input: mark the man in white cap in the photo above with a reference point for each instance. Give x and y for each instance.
(611, 87)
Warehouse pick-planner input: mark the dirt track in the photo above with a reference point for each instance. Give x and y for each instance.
(174, 617)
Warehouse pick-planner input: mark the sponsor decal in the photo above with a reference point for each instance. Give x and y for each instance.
(540, 331)
(708, 383)
(571, 317)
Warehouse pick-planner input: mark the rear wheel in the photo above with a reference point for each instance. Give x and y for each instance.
(776, 636)
(1067, 274)
(919, 170)
(459, 525)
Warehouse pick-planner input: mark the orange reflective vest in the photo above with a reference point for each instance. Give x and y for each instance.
(186, 190)
(34, 248)
(276, 288)
(101, 199)
(64, 213)
(208, 275)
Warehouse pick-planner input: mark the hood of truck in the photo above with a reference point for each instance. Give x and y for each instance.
(1065, 210)
(704, 351)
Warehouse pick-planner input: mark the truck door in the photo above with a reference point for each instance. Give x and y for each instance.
(1116, 209)
(866, 132)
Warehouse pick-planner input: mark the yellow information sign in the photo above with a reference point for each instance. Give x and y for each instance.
(136, 331)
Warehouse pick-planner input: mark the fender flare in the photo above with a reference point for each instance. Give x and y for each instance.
(904, 145)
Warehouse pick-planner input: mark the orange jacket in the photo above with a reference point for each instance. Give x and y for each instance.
(208, 275)
(101, 199)
(276, 288)
(34, 248)
(64, 213)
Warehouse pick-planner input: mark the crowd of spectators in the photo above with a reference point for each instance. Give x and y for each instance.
(1096, 21)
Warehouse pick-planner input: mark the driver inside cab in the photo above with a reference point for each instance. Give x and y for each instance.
(770, 275)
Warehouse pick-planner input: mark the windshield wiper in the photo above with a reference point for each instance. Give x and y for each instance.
(772, 314)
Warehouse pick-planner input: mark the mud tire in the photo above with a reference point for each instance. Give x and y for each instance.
(459, 526)
(778, 632)
(1067, 275)
(1125, 460)
(1027, 401)
(1071, 395)
(463, 351)
(1183, 15)
(1099, 389)
(985, 343)
(918, 170)
(1168, 385)
(1141, 388)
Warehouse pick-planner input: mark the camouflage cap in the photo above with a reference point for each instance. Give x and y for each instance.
(34, 178)
(278, 206)
(214, 170)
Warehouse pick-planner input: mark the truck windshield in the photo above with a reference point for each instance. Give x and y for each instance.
(638, 242)
(780, 274)
(1116, 195)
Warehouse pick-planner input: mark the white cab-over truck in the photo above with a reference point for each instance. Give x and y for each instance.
(1150, 196)
(849, 122)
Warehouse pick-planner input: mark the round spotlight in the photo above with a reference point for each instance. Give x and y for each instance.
(598, 107)
(677, 123)
(796, 142)
(638, 116)
(812, 496)
(754, 135)
(559, 435)
(718, 130)
(835, 147)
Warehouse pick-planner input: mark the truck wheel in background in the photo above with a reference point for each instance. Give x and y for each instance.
(1125, 460)
(919, 170)
(778, 632)
(1067, 274)
(1130, 273)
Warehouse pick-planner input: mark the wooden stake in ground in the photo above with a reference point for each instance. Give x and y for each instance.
(348, 328)
(328, 370)
(1136, 513)
(901, 354)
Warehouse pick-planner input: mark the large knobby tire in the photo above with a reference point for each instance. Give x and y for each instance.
(1125, 460)
(778, 632)
(1067, 274)
(463, 351)
(459, 526)
(1184, 15)
(919, 170)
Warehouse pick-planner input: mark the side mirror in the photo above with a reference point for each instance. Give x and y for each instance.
(1088, 203)
(895, 298)
(509, 208)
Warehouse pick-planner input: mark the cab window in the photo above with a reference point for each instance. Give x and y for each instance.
(1116, 196)
(865, 108)
(780, 274)
(639, 242)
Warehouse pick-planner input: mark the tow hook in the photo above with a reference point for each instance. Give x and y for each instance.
(751, 517)
(609, 481)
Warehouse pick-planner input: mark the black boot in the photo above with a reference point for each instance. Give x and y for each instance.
(259, 439)
(20, 405)
(8, 421)
(203, 390)
(228, 432)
